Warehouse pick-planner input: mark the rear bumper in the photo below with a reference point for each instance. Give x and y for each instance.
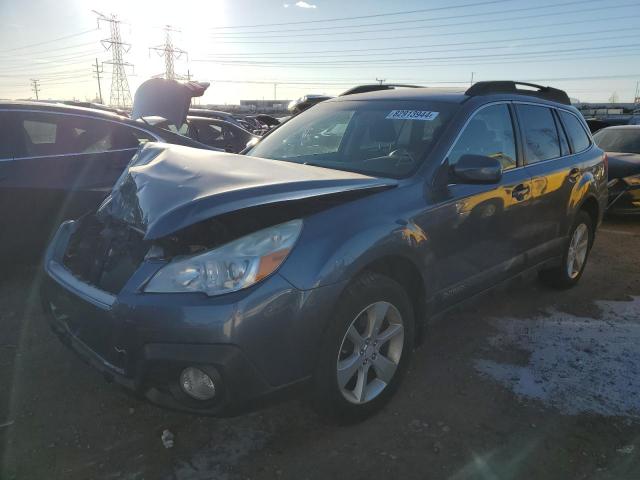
(259, 342)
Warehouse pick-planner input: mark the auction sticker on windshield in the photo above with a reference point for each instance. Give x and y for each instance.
(424, 115)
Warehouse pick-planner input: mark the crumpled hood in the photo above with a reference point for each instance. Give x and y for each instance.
(623, 164)
(169, 99)
(169, 187)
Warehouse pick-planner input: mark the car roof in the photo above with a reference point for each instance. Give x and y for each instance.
(417, 94)
(61, 108)
(457, 95)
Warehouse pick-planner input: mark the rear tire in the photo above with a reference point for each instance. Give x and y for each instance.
(366, 350)
(575, 255)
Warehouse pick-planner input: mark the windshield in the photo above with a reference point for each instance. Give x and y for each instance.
(619, 140)
(380, 138)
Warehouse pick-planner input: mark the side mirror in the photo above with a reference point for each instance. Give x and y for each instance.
(477, 169)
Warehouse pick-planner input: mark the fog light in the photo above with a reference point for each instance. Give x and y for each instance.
(197, 384)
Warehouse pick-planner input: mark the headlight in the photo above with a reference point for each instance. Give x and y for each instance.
(234, 266)
(633, 180)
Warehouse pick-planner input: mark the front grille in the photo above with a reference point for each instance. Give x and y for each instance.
(105, 253)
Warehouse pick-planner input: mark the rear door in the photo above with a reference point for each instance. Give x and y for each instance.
(554, 171)
(479, 232)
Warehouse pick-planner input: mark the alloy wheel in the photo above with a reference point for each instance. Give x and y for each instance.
(578, 248)
(370, 352)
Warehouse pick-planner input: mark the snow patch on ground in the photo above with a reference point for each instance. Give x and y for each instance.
(576, 364)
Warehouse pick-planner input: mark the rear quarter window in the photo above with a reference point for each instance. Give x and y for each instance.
(577, 135)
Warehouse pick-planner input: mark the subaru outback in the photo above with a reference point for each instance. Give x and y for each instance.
(209, 282)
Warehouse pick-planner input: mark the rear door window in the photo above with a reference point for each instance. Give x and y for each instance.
(541, 139)
(488, 133)
(45, 134)
(577, 134)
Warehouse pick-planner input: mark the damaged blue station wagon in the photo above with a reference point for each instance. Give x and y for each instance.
(208, 281)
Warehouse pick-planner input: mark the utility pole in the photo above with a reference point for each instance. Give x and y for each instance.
(98, 72)
(35, 87)
(381, 80)
(120, 93)
(275, 86)
(169, 52)
(472, 75)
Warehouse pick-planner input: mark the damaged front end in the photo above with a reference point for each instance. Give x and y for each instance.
(150, 289)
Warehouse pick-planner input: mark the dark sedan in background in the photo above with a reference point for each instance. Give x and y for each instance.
(622, 145)
(59, 161)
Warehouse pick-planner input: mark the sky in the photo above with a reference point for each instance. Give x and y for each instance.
(265, 49)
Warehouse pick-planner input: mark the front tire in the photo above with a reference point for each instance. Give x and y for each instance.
(576, 253)
(366, 349)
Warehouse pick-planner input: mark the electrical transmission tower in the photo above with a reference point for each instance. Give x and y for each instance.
(169, 52)
(35, 87)
(120, 94)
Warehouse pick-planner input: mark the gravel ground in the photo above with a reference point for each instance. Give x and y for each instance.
(527, 382)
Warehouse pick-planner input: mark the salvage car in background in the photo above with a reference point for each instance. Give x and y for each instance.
(207, 281)
(622, 145)
(206, 113)
(165, 104)
(305, 102)
(210, 131)
(57, 162)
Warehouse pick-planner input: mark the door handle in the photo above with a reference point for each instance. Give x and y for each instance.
(521, 192)
(574, 173)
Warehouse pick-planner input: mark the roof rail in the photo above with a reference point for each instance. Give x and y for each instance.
(508, 86)
(375, 87)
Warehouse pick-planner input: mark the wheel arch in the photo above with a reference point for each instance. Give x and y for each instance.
(591, 206)
(405, 272)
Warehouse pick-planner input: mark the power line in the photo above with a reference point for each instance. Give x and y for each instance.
(43, 65)
(309, 31)
(369, 52)
(331, 83)
(49, 50)
(445, 34)
(420, 35)
(422, 59)
(405, 12)
(120, 94)
(444, 62)
(50, 41)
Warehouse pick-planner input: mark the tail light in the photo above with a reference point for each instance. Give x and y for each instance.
(605, 160)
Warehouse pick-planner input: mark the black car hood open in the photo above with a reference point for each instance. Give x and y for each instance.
(623, 164)
(169, 187)
(169, 99)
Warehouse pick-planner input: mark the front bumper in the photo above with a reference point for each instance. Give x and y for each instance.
(259, 342)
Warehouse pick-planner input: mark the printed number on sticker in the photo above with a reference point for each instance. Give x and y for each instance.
(423, 115)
